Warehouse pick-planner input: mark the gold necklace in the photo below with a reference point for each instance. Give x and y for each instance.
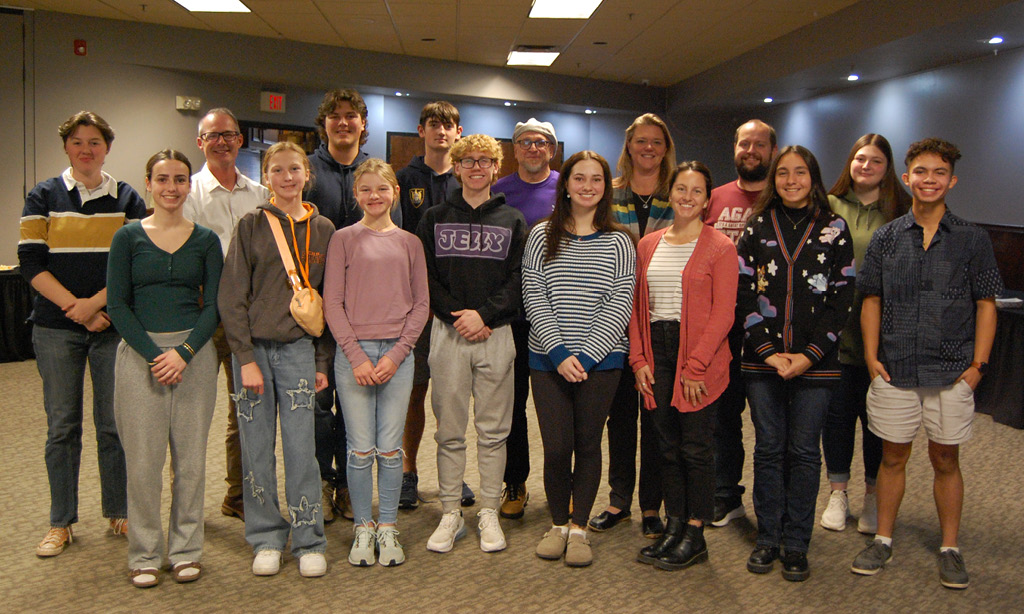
(786, 213)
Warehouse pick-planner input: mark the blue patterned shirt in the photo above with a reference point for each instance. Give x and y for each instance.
(928, 296)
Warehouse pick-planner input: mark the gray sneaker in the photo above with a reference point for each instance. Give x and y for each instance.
(872, 559)
(363, 551)
(952, 571)
(391, 551)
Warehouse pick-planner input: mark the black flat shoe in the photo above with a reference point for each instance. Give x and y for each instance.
(653, 527)
(762, 559)
(794, 567)
(606, 520)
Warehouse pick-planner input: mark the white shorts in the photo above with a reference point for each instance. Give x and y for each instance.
(896, 414)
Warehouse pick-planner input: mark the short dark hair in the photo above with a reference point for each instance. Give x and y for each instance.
(771, 131)
(441, 110)
(944, 149)
(86, 118)
(331, 101)
(167, 154)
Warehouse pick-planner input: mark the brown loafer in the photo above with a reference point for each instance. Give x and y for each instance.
(182, 572)
(233, 507)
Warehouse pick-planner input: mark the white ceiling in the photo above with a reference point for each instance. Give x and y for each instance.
(661, 42)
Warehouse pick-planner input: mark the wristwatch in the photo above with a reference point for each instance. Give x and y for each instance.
(980, 366)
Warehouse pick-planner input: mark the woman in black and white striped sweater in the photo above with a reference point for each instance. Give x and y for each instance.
(578, 272)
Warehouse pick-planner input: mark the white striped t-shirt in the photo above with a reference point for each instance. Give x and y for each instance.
(665, 279)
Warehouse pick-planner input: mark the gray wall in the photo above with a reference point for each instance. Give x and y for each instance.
(133, 72)
(978, 105)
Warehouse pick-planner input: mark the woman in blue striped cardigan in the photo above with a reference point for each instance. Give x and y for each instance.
(578, 272)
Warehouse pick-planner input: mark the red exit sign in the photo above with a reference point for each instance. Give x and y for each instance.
(272, 102)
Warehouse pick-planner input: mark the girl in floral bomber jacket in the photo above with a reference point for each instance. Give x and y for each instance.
(796, 286)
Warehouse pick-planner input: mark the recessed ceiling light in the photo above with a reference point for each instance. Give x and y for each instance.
(531, 58)
(769, 100)
(398, 93)
(853, 77)
(589, 111)
(563, 9)
(508, 104)
(995, 40)
(214, 6)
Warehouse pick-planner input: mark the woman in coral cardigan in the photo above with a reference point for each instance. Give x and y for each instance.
(686, 278)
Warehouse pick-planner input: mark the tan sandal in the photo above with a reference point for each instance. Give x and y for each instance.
(182, 572)
(145, 577)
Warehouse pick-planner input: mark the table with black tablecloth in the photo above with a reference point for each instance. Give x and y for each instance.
(1001, 392)
(15, 307)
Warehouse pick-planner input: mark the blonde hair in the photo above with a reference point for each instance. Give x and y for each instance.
(382, 169)
(477, 142)
(283, 146)
(668, 163)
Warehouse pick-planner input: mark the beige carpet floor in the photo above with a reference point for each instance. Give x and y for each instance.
(91, 575)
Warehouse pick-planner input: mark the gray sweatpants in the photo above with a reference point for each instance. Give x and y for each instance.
(459, 368)
(149, 417)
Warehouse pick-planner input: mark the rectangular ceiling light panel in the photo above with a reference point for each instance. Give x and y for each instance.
(563, 9)
(531, 58)
(214, 6)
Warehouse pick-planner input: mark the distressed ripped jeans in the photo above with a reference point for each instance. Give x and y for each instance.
(375, 423)
(289, 375)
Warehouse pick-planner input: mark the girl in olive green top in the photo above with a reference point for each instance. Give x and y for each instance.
(867, 195)
(162, 279)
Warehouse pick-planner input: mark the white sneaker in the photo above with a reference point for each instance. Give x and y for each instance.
(451, 528)
(312, 565)
(492, 539)
(362, 553)
(391, 551)
(266, 563)
(868, 522)
(834, 517)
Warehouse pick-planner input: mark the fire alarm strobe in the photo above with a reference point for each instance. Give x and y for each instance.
(80, 47)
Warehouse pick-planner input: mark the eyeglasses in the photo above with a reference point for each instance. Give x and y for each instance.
(470, 162)
(228, 136)
(526, 144)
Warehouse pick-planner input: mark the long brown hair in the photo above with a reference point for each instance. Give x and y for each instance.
(893, 200)
(560, 222)
(769, 196)
(668, 163)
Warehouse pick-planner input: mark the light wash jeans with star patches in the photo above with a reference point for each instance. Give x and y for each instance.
(289, 373)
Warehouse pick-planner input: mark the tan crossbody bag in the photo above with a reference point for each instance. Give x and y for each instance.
(307, 306)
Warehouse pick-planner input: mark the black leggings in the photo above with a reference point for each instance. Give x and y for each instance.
(686, 439)
(571, 419)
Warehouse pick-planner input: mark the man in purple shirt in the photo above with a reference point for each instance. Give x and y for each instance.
(531, 190)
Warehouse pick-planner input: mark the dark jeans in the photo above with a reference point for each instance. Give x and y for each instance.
(622, 450)
(571, 417)
(329, 428)
(837, 437)
(686, 439)
(517, 447)
(729, 453)
(61, 355)
(788, 416)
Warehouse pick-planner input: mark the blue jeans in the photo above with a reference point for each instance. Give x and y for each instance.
(289, 376)
(788, 416)
(375, 423)
(849, 403)
(729, 454)
(61, 355)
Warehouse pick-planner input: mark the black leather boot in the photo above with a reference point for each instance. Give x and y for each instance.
(692, 549)
(674, 532)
